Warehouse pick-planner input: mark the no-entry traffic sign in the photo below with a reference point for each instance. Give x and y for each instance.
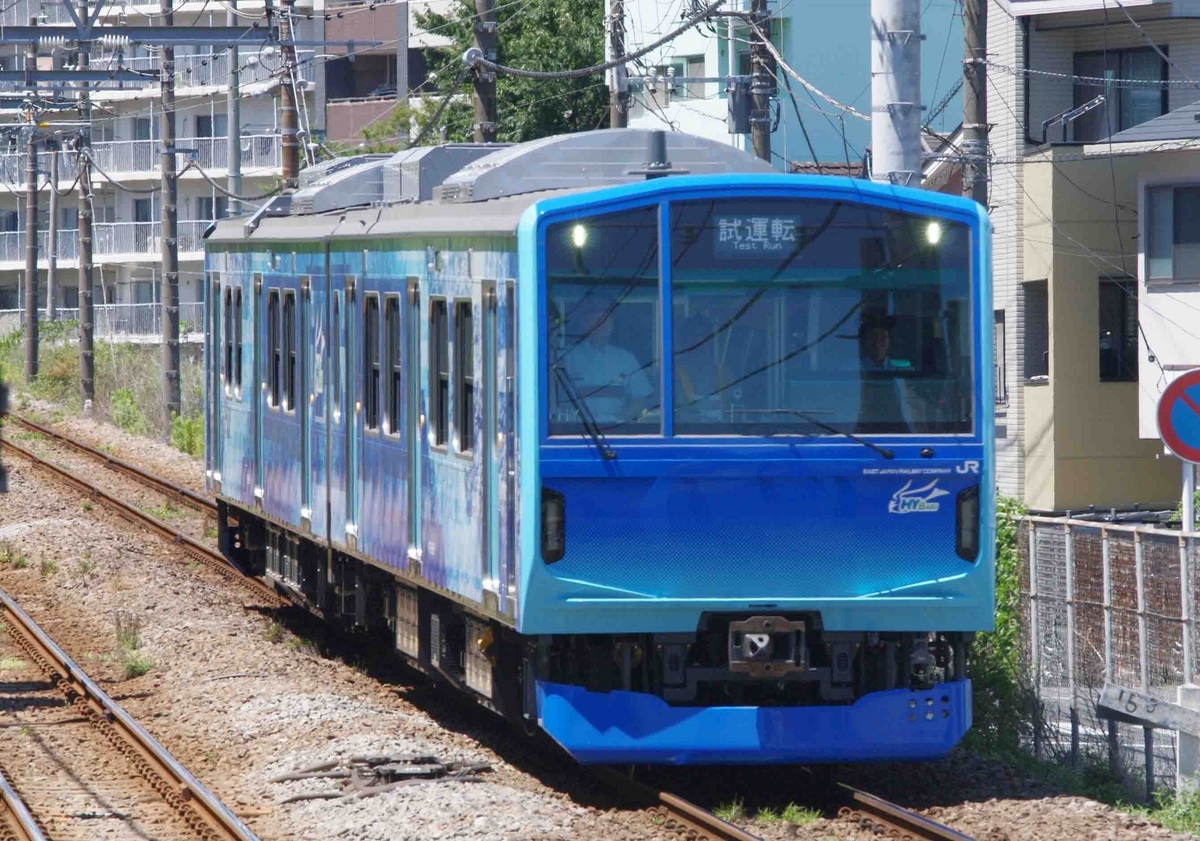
(1179, 417)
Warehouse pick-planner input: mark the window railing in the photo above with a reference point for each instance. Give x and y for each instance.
(117, 321)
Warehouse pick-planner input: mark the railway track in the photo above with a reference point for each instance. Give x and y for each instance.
(86, 768)
(892, 821)
(193, 548)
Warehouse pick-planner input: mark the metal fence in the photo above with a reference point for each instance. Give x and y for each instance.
(116, 322)
(1107, 603)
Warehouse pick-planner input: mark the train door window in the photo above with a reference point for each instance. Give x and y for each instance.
(392, 392)
(237, 340)
(274, 349)
(371, 360)
(335, 346)
(228, 347)
(464, 377)
(289, 351)
(439, 368)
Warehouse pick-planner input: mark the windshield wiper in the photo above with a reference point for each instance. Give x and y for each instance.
(585, 414)
(883, 451)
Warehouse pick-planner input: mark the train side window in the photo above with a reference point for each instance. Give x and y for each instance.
(289, 351)
(274, 350)
(237, 340)
(464, 376)
(371, 360)
(391, 320)
(335, 346)
(228, 326)
(439, 370)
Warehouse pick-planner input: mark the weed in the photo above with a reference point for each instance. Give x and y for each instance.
(129, 631)
(85, 567)
(275, 632)
(766, 815)
(28, 435)
(187, 434)
(192, 565)
(299, 645)
(800, 814)
(20, 562)
(210, 532)
(166, 511)
(135, 664)
(124, 411)
(48, 567)
(24, 731)
(1179, 811)
(11, 664)
(735, 810)
(87, 506)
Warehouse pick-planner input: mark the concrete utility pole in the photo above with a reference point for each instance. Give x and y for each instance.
(485, 80)
(762, 76)
(169, 226)
(896, 91)
(233, 109)
(31, 232)
(975, 122)
(289, 119)
(618, 93)
(87, 322)
(52, 234)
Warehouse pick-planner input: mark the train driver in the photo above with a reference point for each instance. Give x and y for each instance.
(610, 379)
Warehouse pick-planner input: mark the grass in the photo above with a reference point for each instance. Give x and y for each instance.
(9, 555)
(87, 506)
(134, 661)
(85, 567)
(275, 632)
(166, 511)
(1180, 812)
(734, 810)
(48, 567)
(11, 664)
(20, 562)
(135, 664)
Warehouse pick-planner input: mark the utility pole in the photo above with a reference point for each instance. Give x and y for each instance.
(87, 321)
(289, 120)
(485, 80)
(618, 93)
(233, 119)
(896, 92)
(170, 243)
(31, 232)
(975, 120)
(52, 235)
(762, 74)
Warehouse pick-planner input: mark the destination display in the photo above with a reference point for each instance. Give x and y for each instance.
(749, 236)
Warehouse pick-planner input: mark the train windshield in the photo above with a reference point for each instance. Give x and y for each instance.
(787, 317)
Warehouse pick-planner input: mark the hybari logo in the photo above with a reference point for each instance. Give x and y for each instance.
(910, 500)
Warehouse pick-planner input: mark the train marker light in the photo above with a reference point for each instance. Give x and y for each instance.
(579, 235)
(934, 233)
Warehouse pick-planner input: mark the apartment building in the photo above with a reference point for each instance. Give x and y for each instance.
(1095, 190)
(338, 87)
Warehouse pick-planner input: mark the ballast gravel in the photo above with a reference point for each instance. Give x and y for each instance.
(242, 698)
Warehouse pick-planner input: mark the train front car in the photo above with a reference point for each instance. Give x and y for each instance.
(756, 422)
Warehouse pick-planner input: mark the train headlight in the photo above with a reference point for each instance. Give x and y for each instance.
(554, 525)
(966, 541)
(933, 233)
(579, 235)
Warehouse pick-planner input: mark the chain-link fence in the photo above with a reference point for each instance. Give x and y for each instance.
(1107, 603)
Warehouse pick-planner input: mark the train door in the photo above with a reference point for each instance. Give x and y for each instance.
(354, 409)
(491, 472)
(214, 350)
(338, 419)
(412, 379)
(260, 391)
(303, 401)
(508, 426)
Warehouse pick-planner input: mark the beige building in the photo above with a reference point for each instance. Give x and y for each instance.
(1096, 204)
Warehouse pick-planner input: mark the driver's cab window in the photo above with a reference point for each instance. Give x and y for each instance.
(603, 331)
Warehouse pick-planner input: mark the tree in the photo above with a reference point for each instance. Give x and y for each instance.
(536, 34)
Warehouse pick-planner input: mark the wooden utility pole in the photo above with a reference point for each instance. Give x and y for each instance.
(233, 111)
(762, 75)
(618, 94)
(31, 233)
(485, 80)
(288, 116)
(169, 225)
(87, 322)
(975, 121)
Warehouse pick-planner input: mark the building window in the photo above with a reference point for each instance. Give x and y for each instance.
(1001, 369)
(1037, 330)
(439, 368)
(371, 361)
(1118, 331)
(1173, 251)
(391, 320)
(274, 349)
(211, 210)
(464, 376)
(1123, 107)
(289, 350)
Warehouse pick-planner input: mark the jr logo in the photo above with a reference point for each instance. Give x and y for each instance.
(969, 466)
(910, 500)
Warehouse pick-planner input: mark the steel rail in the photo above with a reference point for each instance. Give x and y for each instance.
(681, 816)
(185, 495)
(207, 816)
(191, 547)
(896, 821)
(16, 824)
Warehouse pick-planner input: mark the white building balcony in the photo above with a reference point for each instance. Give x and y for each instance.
(136, 323)
(112, 242)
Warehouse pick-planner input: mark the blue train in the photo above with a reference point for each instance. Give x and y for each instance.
(677, 458)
